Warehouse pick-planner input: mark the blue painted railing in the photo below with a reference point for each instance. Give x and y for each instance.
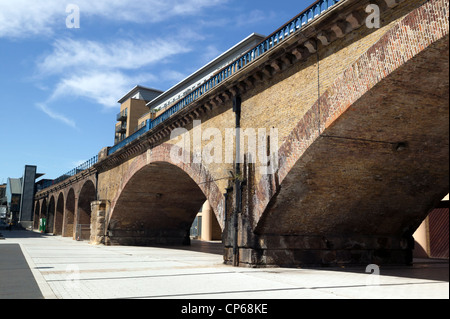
(86, 165)
(270, 42)
(130, 138)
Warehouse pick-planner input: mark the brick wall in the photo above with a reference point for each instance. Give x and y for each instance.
(305, 97)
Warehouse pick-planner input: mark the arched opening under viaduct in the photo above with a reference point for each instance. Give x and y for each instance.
(87, 195)
(43, 209)
(156, 207)
(59, 214)
(389, 150)
(51, 215)
(37, 212)
(358, 193)
(69, 214)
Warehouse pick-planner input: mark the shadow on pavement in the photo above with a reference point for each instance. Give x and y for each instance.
(16, 278)
(210, 247)
(16, 233)
(423, 268)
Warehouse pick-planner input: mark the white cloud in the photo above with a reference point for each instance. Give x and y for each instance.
(101, 87)
(103, 72)
(210, 53)
(100, 71)
(253, 17)
(75, 55)
(54, 115)
(25, 18)
(172, 76)
(20, 18)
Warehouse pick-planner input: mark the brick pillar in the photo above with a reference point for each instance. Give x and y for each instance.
(98, 212)
(313, 250)
(272, 249)
(317, 250)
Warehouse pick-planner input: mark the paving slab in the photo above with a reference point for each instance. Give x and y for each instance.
(66, 269)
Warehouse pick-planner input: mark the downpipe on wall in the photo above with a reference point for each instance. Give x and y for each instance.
(237, 180)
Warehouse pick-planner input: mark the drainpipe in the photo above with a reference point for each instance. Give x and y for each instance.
(96, 186)
(237, 176)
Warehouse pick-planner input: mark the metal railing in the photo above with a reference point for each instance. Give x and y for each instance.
(273, 40)
(83, 232)
(86, 165)
(267, 44)
(121, 128)
(130, 138)
(122, 115)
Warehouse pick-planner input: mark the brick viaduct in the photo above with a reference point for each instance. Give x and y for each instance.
(362, 123)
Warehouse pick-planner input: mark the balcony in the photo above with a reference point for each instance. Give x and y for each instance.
(122, 128)
(122, 116)
(141, 125)
(119, 138)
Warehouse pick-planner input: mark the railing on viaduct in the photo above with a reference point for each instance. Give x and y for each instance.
(86, 165)
(273, 40)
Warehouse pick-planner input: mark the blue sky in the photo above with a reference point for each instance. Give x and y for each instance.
(59, 86)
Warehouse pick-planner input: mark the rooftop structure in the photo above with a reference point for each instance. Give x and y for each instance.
(133, 106)
(200, 76)
(140, 92)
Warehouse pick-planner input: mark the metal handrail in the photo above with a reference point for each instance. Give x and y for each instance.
(86, 165)
(79, 231)
(121, 128)
(273, 40)
(129, 139)
(122, 114)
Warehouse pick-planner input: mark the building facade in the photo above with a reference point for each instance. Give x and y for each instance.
(20, 197)
(170, 97)
(2, 201)
(27, 198)
(133, 106)
(13, 198)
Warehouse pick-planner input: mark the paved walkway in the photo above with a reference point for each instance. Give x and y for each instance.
(67, 269)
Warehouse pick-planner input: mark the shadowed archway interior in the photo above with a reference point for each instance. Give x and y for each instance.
(87, 195)
(69, 214)
(59, 214)
(157, 206)
(37, 213)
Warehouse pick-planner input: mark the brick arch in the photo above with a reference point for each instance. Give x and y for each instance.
(44, 208)
(69, 213)
(37, 213)
(157, 175)
(59, 213)
(86, 195)
(67, 195)
(414, 49)
(51, 214)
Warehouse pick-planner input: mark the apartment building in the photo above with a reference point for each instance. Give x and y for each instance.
(142, 104)
(133, 106)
